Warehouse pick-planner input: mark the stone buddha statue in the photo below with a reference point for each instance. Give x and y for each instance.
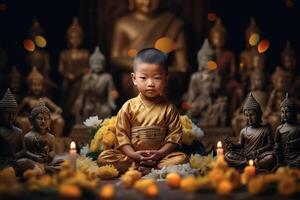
(272, 114)
(140, 29)
(35, 81)
(258, 91)
(225, 65)
(73, 64)
(39, 142)
(202, 93)
(39, 57)
(97, 93)
(287, 137)
(256, 141)
(15, 79)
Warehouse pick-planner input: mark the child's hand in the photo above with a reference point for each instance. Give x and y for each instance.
(139, 156)
(148, 163)
(153, 155)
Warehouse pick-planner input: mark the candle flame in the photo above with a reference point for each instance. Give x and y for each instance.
(251, 162)
(73, 145)
(219, 144)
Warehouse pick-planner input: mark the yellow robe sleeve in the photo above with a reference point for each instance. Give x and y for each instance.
(174, 132)
(123, 127)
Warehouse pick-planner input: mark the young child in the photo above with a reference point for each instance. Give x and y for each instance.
(148, 126)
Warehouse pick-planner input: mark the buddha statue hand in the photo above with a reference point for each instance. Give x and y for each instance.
(228, 144)
(255, 154)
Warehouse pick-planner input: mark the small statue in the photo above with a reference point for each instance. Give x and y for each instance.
(256, 141)
(97, 92)
(272, 114)
(140, 29)
(73, 64)
(203, 88)
(258, 91)
(35, 82)
(287, 137)
(39, 142)
(226, 66)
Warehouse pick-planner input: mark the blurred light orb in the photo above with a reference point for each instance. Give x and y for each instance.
(132, 53)
(211, 17)
(165, 44)
(211, 65)
(263, 46)
(29, 45)
(254, 39)
(40, 41)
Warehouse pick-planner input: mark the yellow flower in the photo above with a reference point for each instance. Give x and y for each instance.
(109, 139)
(287, 186)
(107, 172)
(8, 172)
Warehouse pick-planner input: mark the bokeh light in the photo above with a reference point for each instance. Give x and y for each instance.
(211, 17)
(29, 45)
(211, 65)
(132, 52)
(254, 39)
(289, 3)
(263, 46)
(40, 41)
(165, 44)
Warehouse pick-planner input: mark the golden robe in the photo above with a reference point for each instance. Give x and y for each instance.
(145, 127)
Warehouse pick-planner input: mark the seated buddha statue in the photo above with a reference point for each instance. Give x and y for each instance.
(287, 136)
(140, 29)
(97, 92)
(35, 82)
(15, 82)
(225, 65)
(39, 142)
(255, 142)
(258, 91)
(272, 114)
(202, 92)
(73, 64)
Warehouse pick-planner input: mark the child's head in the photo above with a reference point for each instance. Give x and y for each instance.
(150, 72)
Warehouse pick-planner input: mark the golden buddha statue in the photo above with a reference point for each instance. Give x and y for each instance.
(73, 64)
(140, 29)
(35, 82)
(272, 114)
(225, 65)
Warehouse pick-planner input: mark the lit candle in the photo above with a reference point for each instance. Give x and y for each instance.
(73, 156)
(220, 150)
(250, 170)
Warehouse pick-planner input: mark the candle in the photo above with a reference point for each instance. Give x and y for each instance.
(250, 169)
(220, 150)
(73, 156)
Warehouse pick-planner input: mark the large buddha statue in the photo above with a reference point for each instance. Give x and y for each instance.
(206, 107)
(256, 141)
(225, 65)
(97, 92)
(35, 81)
(258, 91)
(140, 29)
(73, 64)
(287, 137)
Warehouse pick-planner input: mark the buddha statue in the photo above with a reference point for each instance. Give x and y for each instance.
(39, 142)
(140, 29)
(15, 79)
(272, 114)
(255, 142)
(206, 107)
(97, 93)
(35, 81)
(287, 137)
(73, 64)
(225, 65)
(40, 57)
(258, 91)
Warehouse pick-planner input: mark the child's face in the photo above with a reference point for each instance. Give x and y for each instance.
(150, 79)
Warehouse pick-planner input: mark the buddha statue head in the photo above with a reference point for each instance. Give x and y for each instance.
(144, 7)
(204, 55)
(257, 80)
(97, 61)
(8, 109)
(75, 34)
(35, 29)
(218, 34)
(251, 29)
(40, 117)
(252, 111)
(35, 81)
(257, 60)
(288, 110)
(14, 80)
(279, 80)
(288, 58)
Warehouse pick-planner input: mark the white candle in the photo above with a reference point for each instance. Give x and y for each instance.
(220, 150)
(73, 156)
